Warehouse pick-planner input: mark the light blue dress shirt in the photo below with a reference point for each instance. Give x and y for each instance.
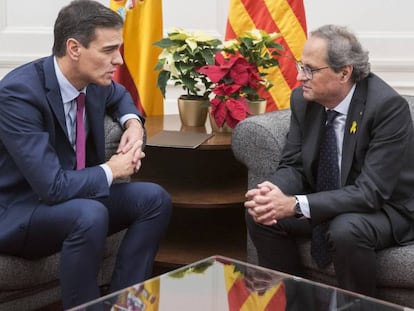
(69, 94)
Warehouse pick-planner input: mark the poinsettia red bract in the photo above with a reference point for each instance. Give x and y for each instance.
(233, 77)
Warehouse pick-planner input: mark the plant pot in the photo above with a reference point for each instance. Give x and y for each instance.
(257, 106)
(225, 129)
(193, 111)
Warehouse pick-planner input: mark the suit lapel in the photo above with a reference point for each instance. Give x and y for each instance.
(314, 124)
(95, 111)
(353, 120)
(53, 93)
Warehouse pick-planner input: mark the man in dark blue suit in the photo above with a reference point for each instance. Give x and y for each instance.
(47, 202)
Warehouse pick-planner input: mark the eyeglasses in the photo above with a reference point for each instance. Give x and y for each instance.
(308, 71)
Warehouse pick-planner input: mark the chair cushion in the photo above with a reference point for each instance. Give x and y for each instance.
(18, 273)
(392, 264)
(113, 132)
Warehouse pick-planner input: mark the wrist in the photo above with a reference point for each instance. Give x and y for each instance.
(133, 122)
(298, 211)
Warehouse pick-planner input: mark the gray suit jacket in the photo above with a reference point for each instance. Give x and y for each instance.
(377, 170)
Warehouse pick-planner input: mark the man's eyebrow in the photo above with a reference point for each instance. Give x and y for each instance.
(111, 47)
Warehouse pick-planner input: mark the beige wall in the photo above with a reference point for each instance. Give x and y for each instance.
(385, 28)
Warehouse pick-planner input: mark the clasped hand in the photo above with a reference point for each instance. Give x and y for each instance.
(129, 154)
(267, 204)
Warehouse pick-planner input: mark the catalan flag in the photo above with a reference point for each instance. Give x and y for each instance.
(240, 298)
(286, 17)
(142, 27)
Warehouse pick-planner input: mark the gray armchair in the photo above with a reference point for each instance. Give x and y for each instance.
(257, 142)
(32, 284)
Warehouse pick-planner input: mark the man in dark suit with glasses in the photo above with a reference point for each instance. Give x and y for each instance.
(346, 176)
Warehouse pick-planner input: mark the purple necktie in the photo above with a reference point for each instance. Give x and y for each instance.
(80, 132)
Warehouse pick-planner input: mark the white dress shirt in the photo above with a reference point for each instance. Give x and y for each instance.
(339, 127)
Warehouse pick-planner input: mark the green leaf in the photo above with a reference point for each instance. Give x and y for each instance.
(190, 85)
(160, 64)
(165, 43)
(275, 45)
(208, 56)
(162, 80)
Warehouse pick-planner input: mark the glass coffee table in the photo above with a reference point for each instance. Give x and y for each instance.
(219, 283)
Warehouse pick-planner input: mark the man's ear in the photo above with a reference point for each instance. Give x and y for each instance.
(73, 48)
(346, 73)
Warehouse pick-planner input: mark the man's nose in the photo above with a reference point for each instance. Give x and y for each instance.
(301, 76)
(118, 60)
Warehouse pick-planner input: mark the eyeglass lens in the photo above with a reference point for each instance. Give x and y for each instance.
(306, 70)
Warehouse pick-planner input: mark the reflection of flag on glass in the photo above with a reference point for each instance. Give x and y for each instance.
(284, 16)
(240, 298)
(143, 26)
(144, 297)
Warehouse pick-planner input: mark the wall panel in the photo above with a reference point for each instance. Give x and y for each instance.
(386, 31)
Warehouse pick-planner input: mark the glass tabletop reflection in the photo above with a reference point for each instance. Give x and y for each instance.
(220, 283)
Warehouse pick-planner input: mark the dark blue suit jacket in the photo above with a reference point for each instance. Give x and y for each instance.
(36, 159)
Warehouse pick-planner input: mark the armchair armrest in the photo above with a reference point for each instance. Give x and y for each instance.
(113, 133)
(257, 142)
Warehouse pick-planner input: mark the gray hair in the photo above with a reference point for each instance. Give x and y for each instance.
(344, 49)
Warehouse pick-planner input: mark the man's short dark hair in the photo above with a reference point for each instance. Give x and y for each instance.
(79, 20)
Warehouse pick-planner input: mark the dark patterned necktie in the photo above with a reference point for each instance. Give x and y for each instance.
(327, 179)
(80, 132)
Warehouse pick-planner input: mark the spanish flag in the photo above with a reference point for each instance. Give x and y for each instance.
(240, 298)
(142, 27)
(144, 296)
(286, 17)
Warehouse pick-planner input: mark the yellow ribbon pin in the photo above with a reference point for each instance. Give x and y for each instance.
(353, 128)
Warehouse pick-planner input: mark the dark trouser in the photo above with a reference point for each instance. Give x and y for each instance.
(79, 227)
(353, 238)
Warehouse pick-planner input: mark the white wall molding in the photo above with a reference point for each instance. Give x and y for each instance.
(26, 34)
(391, 57)
(385, 64)
(388, 45)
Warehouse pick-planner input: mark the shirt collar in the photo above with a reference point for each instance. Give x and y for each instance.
(67, 90)
(343, 106)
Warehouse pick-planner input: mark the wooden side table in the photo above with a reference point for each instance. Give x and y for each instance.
(207, 186)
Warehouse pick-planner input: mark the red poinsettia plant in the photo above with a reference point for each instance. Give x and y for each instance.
(234, 77)
(238, 75)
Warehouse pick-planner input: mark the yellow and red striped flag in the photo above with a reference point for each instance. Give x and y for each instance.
(139, 297)
(240, 298)
(286, 17)
(143, 26)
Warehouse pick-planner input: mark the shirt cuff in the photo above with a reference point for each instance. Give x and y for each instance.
(127, 117)
(304, 205)
(108, 173)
